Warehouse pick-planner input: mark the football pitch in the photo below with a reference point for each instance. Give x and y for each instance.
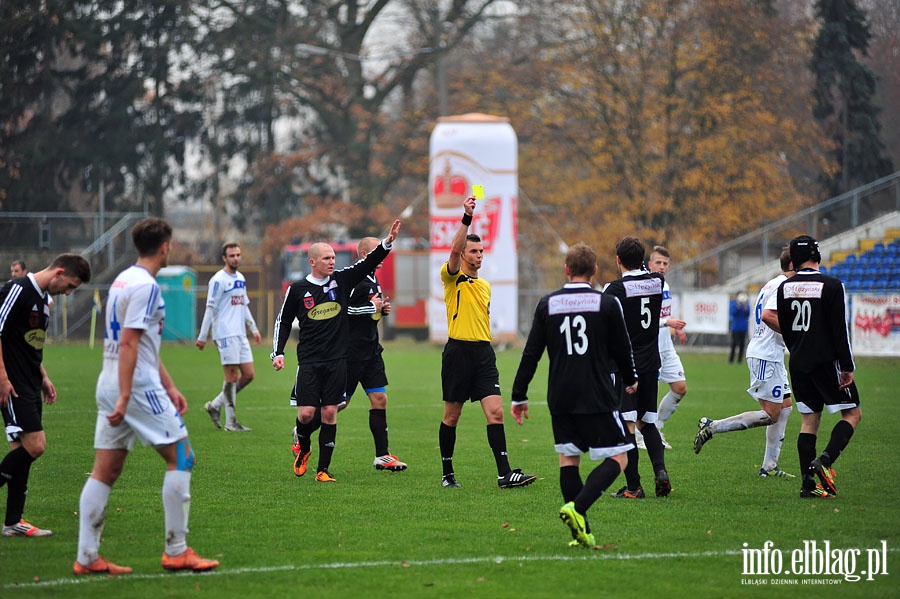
(723, 531)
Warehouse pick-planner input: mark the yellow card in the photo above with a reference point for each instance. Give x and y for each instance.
(478, 192)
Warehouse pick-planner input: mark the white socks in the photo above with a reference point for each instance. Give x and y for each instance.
(774, 439)
(176, 496)
(740, 422)
(91, 518)
(667, 407)
(229, 393)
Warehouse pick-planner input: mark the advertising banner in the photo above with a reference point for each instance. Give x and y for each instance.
(705, 312)
(465, 151)
(875, 324)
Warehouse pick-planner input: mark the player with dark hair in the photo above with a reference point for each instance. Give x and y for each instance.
(769, 383)
(640, 293)
(583, 331)
(671, 370)
(24, 316)
(227, 319)
(318, 303)
(813, 321)
(468, 364)
(138, 400)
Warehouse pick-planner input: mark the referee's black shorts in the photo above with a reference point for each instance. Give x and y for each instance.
(469, 371)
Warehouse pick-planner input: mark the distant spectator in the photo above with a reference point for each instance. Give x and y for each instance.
(18, 269)
(738, 323)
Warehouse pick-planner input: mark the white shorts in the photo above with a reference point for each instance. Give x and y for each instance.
(671, 369)
(234, 350)
(150, 417)
(768, 380)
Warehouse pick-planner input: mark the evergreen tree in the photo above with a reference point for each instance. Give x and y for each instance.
(843, 93)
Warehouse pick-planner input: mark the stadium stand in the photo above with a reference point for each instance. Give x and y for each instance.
(875, 266)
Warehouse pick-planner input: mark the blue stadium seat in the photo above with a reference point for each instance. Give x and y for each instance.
(850, 259)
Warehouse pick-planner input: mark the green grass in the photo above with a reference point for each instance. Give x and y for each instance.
(381, 534)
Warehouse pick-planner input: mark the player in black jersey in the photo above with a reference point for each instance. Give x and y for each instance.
(813, 322)
(24, 316)
(318, 303)
(640, 293)
(583, 332)
(365, 366)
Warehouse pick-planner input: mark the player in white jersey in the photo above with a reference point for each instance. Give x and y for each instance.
(227, 319)
(769, 384)
(137, 399)
(671, 370)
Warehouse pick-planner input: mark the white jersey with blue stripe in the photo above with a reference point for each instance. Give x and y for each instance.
(134, 302)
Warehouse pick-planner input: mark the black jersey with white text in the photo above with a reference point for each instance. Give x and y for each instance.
(584, 332)
(640, 293)
(319, 307)
(364, 318)
(813, 320)
(24, 317)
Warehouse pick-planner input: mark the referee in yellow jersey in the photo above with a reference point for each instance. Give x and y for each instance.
(468, 365)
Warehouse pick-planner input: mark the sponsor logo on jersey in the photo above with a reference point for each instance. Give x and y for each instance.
(324, 311)
(642, 287)
(573, 302)
(803, 289)
(35, 338)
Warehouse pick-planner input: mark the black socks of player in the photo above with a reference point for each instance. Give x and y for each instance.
(806, 452)
(570, 482)
(378, 426)
(654, 445)
(447, 443)
(327, 435)
(14, 470)
(597, 482)
(497, 440)
(632, 476)
(304, 432)
(840, 437)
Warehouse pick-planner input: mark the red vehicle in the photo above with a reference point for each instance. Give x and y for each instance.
(403, 277)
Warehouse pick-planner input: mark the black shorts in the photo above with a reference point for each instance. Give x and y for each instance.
(602, 435)
(320, 384)
(22, 415)
(369, 373)
(469, 371)
(813, 391)
(641, 405)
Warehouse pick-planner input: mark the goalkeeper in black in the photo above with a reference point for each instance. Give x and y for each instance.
(584, 332)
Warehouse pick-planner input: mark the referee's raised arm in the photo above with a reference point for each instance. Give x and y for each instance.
(459, 238)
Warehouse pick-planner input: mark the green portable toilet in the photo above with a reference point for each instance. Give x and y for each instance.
(178, 285)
